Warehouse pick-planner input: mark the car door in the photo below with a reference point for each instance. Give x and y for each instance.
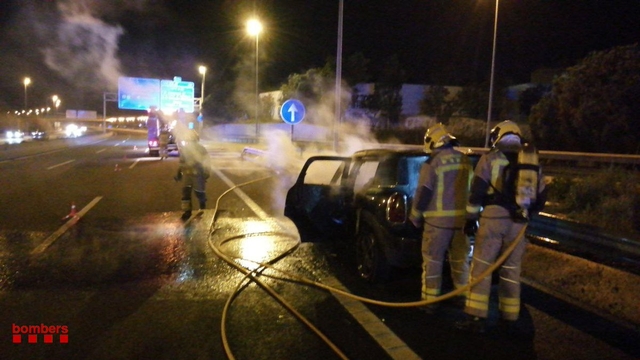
(320, 200)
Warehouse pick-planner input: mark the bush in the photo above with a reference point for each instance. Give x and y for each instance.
(610, 200)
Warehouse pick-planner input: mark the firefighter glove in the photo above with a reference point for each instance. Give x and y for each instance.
(470, 227)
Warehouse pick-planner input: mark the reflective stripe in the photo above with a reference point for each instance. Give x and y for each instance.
(473, 209)
(510, 306)
(434, 213)
(478, 301)
(496, 170)
(429, 293)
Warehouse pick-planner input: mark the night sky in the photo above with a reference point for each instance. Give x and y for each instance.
(78, 49)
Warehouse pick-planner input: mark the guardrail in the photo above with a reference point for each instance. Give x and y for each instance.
(555, 227)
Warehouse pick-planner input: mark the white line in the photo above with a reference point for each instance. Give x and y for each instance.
(53, 237)
(387, 339)
(99, 151)
(241, 194)
(134, 164)
(64, 163)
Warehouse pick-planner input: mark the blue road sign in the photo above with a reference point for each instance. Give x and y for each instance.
(292, 111)
(138, 93)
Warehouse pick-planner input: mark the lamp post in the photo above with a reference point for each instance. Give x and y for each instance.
(56, 103)
(203, 71)
(26, 82)
(338, 104)
(254, 28)
(493, 66)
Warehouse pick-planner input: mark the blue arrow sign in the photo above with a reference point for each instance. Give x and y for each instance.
(292, 111)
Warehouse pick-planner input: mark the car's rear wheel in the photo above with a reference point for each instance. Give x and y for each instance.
(370, 259)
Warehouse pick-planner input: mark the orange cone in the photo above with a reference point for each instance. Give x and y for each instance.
(72, 213)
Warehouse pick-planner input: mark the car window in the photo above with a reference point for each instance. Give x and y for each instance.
(410, 170)
(324, 172)
(365, 176)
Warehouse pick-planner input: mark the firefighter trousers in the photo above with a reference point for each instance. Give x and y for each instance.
(436, 241)
(193, 183)
(493, 237)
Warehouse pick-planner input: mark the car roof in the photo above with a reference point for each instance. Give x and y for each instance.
(386, 152)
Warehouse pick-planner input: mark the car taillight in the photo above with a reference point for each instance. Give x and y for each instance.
(397, 208)
(153, 143)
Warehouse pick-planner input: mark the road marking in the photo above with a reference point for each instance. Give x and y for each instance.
(387, 339)
(241, 194)
(53, 237)
(99, 151)
(134, 164)
(61, 164)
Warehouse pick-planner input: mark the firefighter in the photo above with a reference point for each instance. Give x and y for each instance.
(163, 142)
(193, 171)
(492, 202)
(439, 206)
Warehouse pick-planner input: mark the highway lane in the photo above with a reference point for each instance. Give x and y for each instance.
(131, 281)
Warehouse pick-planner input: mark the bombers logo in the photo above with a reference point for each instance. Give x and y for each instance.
(33, 332)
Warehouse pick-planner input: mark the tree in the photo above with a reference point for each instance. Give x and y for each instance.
(311, 86)
(531, 97)
(436, 104)
(593, 106)
(387, 90)
(472, 101)
(356, 69)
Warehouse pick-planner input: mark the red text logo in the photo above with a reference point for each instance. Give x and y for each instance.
(33, 334)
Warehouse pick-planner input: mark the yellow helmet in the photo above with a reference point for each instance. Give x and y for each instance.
(435, 137)
(504, 128)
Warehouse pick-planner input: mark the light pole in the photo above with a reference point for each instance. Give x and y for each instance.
(56, 103)
(254, 28)
(493, 66)
(337, 109)
(203, 71)
(26, 82)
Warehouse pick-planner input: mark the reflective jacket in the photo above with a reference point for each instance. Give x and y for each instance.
(443, 188)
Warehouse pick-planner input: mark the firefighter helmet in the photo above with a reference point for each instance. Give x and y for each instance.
(503, 129)
(436, 136)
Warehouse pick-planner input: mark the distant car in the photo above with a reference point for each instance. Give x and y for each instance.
(363, 200)
(39, 135)
(14, 134)
(172, 146)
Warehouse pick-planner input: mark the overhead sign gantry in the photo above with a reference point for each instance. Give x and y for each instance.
(167, 95)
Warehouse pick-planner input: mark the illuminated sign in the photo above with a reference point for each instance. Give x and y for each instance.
(175, 95)
(167, 95)
(138, 93)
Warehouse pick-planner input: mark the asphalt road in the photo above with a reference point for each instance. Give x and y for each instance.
(130, 280)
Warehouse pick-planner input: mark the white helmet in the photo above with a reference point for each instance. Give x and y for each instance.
(436, 136)
(506, 131)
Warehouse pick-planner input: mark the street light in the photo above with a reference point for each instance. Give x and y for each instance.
(203, 71)
(493, 66)
(56, 102)
(26, 81)
(254, 28)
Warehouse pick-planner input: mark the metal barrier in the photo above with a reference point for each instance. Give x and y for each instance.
(555, 227)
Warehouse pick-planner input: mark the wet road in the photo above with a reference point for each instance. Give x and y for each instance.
(130, 280)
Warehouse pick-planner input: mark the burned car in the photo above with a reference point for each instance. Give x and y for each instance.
(364, 201)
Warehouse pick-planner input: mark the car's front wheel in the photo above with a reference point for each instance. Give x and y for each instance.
(370, 259)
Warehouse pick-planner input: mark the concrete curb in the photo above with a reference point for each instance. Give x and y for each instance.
(614, 293)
